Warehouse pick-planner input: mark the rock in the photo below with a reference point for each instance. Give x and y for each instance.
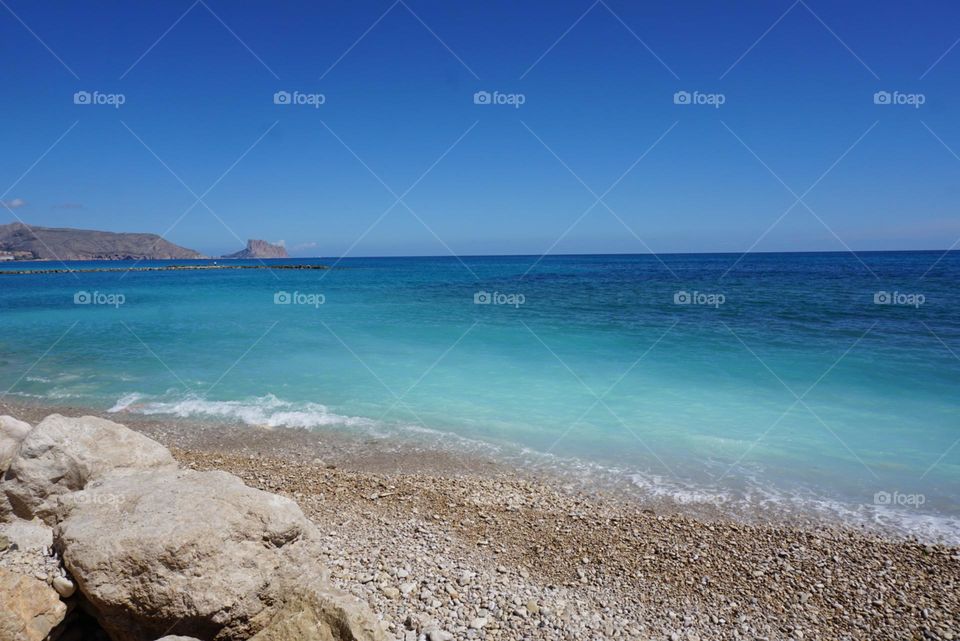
(28, 535)
(62, 455)
(64, 586)
(29, 609)
(439, 635)
(12, 433)
(320, 615)
(201, 554)
(174, 637)
(478, 623)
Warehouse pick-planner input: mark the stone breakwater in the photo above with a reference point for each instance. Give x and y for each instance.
(104, 535)
(164, 268)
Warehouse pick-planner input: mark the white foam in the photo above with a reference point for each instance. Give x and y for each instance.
(267, 410)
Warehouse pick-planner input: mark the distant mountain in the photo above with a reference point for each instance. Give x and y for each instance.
(58, 243)
(260, 249)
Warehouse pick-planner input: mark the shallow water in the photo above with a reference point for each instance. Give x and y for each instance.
(782, 382)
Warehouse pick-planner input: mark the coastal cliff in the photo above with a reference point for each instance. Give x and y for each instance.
(259, 249)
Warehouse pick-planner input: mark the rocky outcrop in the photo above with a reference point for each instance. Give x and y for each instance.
(150, 550)
(58, 243)
(260, 249)
(12, 432)
(62, 455)
(29, 609)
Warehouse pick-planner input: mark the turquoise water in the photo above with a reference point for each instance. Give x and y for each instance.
(591, 362)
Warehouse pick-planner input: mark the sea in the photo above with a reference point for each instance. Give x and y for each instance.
(814, 384)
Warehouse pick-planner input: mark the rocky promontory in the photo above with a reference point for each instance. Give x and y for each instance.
(60, 243)
(260, 249)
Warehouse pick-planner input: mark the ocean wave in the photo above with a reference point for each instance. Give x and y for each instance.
(264, 411)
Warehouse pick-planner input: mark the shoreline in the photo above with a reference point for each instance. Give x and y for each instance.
(447, 456)
(492, 553)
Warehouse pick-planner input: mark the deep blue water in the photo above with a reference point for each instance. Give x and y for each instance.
(783, 382)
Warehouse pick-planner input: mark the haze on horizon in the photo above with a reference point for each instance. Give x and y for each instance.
(424, 128)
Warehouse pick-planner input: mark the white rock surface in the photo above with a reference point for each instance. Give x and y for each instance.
(12, 432)
(202, 554)
(62, 455)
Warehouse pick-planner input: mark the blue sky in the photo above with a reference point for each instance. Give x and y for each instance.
(598, 84)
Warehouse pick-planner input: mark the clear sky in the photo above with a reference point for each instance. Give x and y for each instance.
(398, 80)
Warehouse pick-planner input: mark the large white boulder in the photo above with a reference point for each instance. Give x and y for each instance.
(63, 454)
(12, 432)
(203, 555)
